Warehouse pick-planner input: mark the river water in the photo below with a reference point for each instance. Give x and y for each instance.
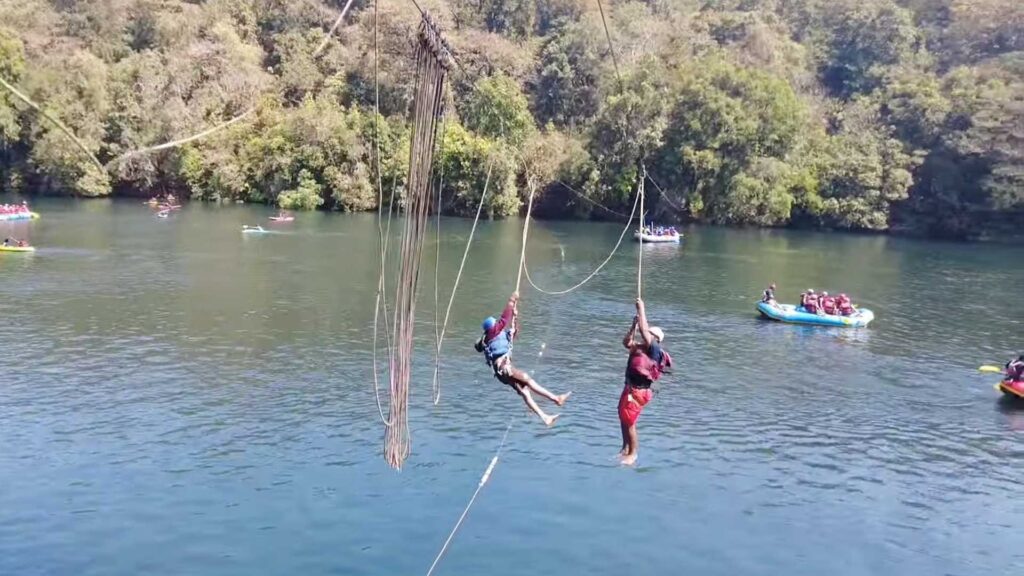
(180, 398)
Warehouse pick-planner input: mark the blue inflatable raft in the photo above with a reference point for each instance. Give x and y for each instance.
(797, 315)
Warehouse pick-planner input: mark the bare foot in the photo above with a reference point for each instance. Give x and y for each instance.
(629, 459)
(561, 399)
(550, 420)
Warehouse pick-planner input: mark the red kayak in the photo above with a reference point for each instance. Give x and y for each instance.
(1013, 388)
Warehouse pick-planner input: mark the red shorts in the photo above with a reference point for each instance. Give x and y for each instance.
(632, 402)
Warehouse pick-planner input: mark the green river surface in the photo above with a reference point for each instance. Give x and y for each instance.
(178, 398)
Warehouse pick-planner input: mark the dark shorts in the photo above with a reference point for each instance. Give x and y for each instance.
(503, 370)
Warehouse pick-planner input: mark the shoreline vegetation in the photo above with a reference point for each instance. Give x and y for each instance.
(903, 116)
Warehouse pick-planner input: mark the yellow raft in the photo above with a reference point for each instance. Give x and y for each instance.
(17, 248)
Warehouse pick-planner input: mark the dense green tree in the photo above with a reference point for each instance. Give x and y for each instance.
(862, 114)
(567, 89)
(497, 108)
(726, 121)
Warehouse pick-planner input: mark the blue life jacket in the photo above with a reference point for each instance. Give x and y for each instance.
(498, 346)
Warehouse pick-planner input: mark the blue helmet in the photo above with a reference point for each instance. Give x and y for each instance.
(489, 323)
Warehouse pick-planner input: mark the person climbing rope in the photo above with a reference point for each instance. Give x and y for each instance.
(647, 362)
(496, 345)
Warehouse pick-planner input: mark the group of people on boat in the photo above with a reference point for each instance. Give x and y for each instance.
(651, 230)
(647, 361)
(168, 200)
(814, 303)
(15, 209)
(825, 303)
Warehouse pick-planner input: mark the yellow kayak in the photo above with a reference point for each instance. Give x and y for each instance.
(17, 248)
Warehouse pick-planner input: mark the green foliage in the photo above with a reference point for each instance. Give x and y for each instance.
(497, 108)
(567, 90)
(727, 123)
(865, 37)
(307, 196)
(860, 114)
(865, 170)
(465, 161)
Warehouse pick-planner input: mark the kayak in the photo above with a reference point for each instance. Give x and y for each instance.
(282, 218)
(18, 216)
(797, 315)
(657, 239)
(1012, 389)
(17, 248)
(253, 230)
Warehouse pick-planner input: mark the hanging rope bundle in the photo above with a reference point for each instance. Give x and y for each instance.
(433, 60)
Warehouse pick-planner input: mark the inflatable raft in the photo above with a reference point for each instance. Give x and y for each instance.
(18, 216)
(657, 239)
(17, 248)
(253, 230)
(1012, 389)
(797, 315)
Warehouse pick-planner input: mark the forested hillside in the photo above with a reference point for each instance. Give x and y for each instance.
(851, 114)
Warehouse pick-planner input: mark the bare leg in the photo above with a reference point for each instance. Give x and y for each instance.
(634, 445)
(525, 379)
(625, 438)
(528, 398)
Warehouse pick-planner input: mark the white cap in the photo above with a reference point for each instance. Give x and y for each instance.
(657, 332)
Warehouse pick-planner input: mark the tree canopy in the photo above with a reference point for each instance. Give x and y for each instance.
(853, 114)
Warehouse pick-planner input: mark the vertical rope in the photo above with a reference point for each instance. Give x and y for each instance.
(458, 276)
(382, 236)
(640, 252)
(526, 231)
(432, 61)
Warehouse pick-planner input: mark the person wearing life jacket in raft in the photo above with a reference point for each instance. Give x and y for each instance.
(811, 301)
(496, 344)
(769, 295)
(1015, 370)
(647, 362)
(844, 305)
(828, 303)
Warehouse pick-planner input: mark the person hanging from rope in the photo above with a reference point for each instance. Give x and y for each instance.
(647, 362)
(496, 345)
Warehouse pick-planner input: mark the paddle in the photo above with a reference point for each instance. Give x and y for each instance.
(992, 369)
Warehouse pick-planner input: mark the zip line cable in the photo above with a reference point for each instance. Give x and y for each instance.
(60, 125)
(105, 168)
(600, 266)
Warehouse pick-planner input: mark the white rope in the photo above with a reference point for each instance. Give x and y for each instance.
(526, 231)
(640, 251)
(589, 277)
(458, 277)
(465, 511)
(383, 236)
(192, 138)
(337, 23)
